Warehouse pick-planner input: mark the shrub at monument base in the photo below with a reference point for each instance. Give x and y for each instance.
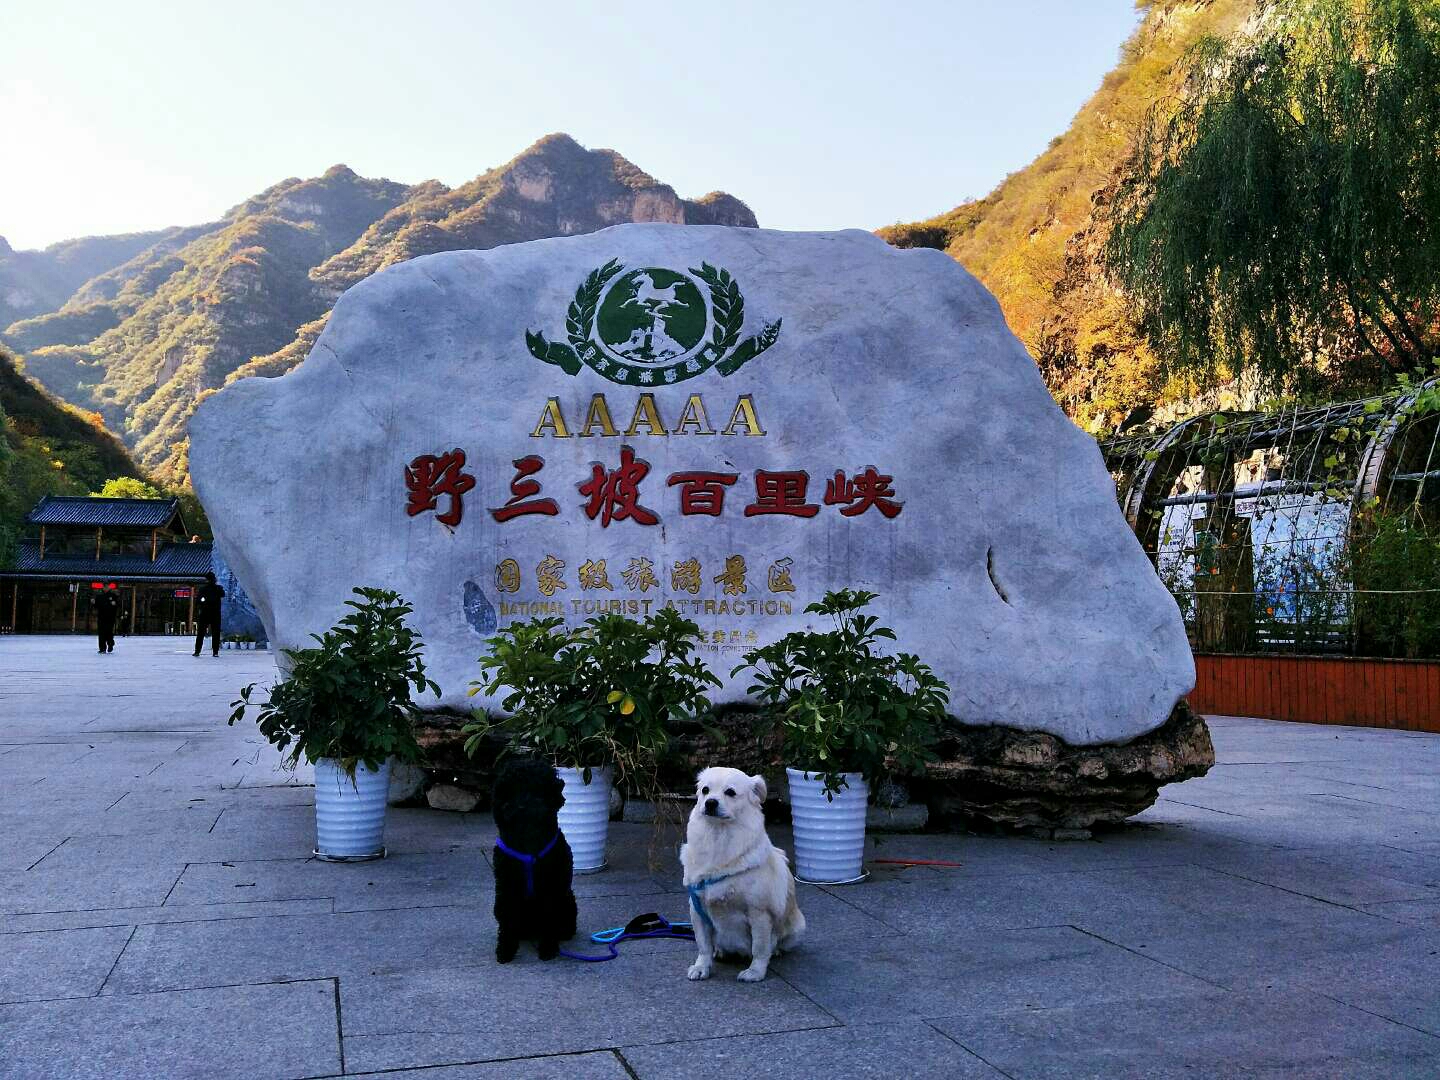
(593, 702)
(849, 716)
(346, 708)
(985, 779)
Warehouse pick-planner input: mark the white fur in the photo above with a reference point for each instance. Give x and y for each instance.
(754, 908)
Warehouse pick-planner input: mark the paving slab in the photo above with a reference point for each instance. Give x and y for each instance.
(40, 890)
(1421, 912)
(447, 1015)
(239, 1032)
(58, 963)
(1217, 1036)
(1349, 879)
(1223, 928)
(176, 956)
(410, 880)
(141, 916)
(602, 1065)
(880, 1051)
(1394, 977)
(920, 976)
(23, 852)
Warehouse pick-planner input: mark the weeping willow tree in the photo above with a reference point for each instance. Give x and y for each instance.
(1282, 219)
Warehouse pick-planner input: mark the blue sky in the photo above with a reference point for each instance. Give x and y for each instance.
(123, 116)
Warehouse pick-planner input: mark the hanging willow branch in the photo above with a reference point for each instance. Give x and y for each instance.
(1283, 218)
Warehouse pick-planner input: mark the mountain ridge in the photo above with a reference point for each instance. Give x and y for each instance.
(145, 338)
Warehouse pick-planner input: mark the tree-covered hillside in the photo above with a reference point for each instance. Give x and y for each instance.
(182, 319)
(154, 330)
(33, 282)
(1036, 240)
(47, 448)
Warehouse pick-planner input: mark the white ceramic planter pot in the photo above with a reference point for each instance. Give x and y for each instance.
(585, 817)
(829, 834)
(350, 814)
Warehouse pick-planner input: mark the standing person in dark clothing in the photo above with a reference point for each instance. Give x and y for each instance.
(107, 607)
(207, 614)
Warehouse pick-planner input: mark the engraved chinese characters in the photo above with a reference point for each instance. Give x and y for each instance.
(613, 494)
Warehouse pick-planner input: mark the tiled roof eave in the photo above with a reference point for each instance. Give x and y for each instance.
(77, 575)
(91, 512)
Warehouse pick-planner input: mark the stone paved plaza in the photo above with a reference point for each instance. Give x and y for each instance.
(159, 917)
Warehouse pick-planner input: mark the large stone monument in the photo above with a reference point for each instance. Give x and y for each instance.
(726, 421)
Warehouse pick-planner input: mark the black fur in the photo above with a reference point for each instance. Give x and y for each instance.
(527, 796)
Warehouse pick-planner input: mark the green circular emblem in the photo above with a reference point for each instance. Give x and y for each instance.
(654, 327)
(651, 317)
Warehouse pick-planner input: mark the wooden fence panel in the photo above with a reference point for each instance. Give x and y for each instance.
(1359, 691)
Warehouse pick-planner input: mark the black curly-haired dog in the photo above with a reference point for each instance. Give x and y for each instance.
(532, 861)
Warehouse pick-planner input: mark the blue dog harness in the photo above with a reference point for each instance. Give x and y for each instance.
(528, 860)
(699, 904)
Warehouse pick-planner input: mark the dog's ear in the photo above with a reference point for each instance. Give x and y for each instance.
(758, 789)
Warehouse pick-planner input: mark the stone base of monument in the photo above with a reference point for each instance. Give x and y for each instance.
(988, 779)
(1003, 780)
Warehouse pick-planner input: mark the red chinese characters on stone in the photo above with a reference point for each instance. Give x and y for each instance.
(781, 493)
(615, 493)
(864, 490)
(702, 492)
(430, 477)
(523, 491)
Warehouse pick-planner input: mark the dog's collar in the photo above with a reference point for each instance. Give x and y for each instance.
(528, 860)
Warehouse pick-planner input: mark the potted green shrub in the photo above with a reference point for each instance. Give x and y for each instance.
(849, 715)
(595, 702)
(346, 707)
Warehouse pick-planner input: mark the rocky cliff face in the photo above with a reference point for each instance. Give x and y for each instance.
(555, 188)
(165, 318)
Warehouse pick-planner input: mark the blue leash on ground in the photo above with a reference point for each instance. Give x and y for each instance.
(649, 925)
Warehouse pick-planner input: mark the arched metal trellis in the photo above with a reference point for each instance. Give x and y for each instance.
(1313, 529)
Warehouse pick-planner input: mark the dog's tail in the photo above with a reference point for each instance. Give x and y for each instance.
(794, 929)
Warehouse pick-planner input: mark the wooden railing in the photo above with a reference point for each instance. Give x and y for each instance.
(1360, 691)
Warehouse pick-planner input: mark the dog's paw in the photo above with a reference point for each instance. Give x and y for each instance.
(505, 951)
(751, 974)
(698, 970)
(548, 950)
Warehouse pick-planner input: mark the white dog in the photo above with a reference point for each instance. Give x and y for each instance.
(742, 896)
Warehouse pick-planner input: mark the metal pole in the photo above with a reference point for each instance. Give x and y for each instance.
(74, 603)
(190, 622)
(134, 603)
